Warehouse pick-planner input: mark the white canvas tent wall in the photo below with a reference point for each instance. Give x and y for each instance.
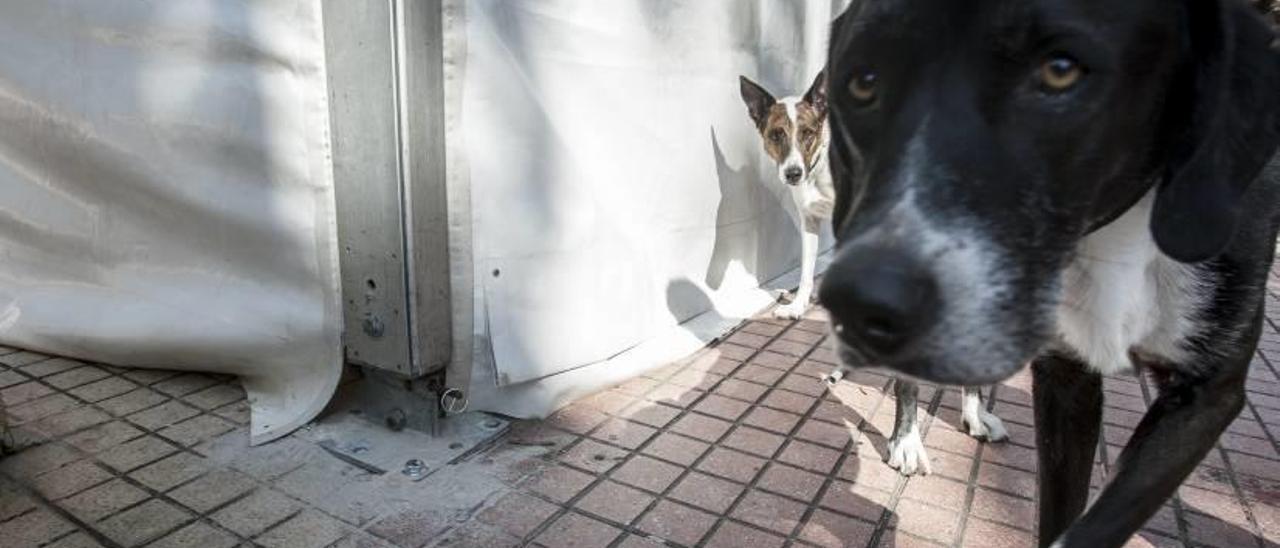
(167, 185)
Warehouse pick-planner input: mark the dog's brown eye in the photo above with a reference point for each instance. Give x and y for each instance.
(865, 87)
(1060, 73)
(777, 136)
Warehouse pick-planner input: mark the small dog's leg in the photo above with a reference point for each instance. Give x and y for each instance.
(1068, 411)
(906, 448)
(1180, 428)
(981, 423)
(808, 261)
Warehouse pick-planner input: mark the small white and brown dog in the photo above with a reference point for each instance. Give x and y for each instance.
(795, 135)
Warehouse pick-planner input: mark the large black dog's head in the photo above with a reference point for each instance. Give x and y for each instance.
(975, 143)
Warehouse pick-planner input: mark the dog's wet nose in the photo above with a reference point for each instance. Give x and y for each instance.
(793, 174)
(879, 300)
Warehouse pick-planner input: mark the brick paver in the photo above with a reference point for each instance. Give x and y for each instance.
(739, 445)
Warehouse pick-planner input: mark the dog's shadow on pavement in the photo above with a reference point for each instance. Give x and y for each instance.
(743, 239)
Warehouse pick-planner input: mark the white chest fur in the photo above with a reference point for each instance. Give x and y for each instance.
(1121, 294)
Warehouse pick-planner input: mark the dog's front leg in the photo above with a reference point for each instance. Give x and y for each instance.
(1068, 411)
(906, 449)
(981, 423)
(808, 263)
(1178, 430)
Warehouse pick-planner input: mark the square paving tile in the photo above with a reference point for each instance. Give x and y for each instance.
(707, 492)
(103, 500)
(256, 513)
(770, 512)
(213, 490)
(676, 448)
(647, 473)
(197, 535)
(518, 514)
(144, 523)
(677, 523)
(577, 531)
(734, 465)
(615, 502)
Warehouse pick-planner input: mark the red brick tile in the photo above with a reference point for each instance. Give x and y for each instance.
(953, 466)
(574, 530)
(762, 329)
(713, 362)
(926, 521)
(831, 530)
(675, 396)
(676, 448)
(790, 348)
(647, 473)
(518, 514)
(984, 534)
(623, 433)
(1151, 539)
(740, 390)
(790, 402)
(950, 441)
(1015, 456)
(838, 413)
(769, 512)
(749, 340)
(871, 472)
(822, 433)
(792, 482)
(754, 441)
(1215, 532)
(804, 384)
(722, 407)
(650, 413)
(936, 491)
(692, 378)
(731, 464)
(609, 401)
(810, 457)
(845, 498)
(677, 523)
(808, 338)
(774, 360)
(706, 492)
(615, 501)
(593, 456)
(1164, 521)
(769, 419)
(735, 351)
(759, 375)
(1219, 505)
(701, 427)
(894, 538)
(560, 484)
(734, 535)
(638, 386)
(578, 419)
(1126, 402)
(1008, 480)
(1249, 464)
(1002, 508)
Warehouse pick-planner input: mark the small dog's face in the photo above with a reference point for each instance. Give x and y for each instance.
(973, 144)
(792, 128)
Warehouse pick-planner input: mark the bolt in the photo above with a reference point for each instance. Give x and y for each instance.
(455, 446)
(414, 469)
(453, 401)
(359, 448)
(492, 424)
(373, 326)
(396, 420)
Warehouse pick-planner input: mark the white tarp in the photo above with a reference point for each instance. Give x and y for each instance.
(617, 186)
(165, 193)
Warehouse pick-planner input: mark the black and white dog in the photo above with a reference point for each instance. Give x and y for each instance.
(794, 133)
(1089, 185)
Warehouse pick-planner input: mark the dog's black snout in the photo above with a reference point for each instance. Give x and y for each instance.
(793, 174)
(879, 300)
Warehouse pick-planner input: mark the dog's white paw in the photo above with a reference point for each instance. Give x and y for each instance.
(986, 427)
(793, 311)
(908, 455)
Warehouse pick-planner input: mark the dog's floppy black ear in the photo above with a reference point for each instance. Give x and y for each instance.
(1228, 116)
(758, 100)
(817, 94)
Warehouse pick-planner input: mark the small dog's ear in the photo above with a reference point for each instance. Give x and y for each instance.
(1227, 113)
(817, 94)
(757, 99)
